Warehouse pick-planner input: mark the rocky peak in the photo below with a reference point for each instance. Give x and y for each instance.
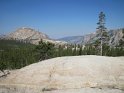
(32, 36)
(25, 33)
(28, 35)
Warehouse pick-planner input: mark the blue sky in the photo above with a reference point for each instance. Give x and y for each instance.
(60, 18)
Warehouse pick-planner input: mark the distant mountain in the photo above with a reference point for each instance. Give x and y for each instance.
(78, 39)
(73, 39)
(28, 33)
(115, 36)
(31, 35)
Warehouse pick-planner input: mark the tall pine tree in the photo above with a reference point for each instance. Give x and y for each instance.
(102, 34)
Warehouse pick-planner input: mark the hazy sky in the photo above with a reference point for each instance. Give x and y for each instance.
(60, 18)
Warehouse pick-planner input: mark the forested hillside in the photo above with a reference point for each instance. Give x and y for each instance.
(17, 54)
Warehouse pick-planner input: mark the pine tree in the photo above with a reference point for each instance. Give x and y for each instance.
(103, 37)
(45, 50)
(80, 50)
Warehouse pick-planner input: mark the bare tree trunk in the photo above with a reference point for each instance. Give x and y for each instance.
(101, 46)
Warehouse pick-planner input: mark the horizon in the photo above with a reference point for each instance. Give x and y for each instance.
(60, 18)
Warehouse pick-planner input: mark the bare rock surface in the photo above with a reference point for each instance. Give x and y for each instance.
(77, 74)
(31, 35)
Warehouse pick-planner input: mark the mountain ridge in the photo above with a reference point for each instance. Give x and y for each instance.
(115, 35)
